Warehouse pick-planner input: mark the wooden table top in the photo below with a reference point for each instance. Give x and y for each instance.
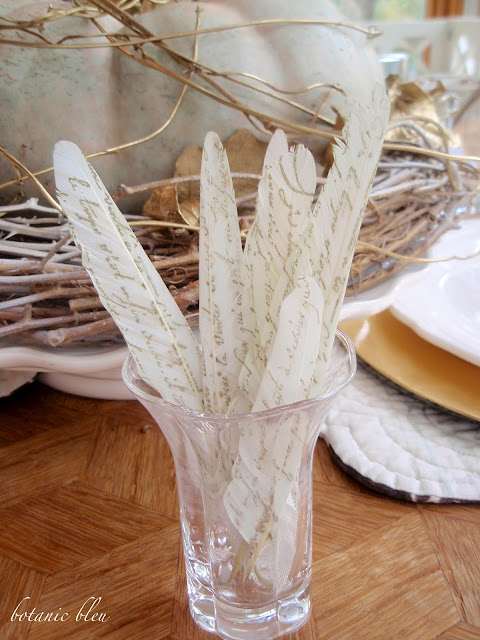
(88, 511)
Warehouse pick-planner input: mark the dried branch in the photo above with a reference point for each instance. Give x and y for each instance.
(411, 204)
(148, 38)
(29, 205)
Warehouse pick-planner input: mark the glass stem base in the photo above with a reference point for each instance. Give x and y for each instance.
(238, 623)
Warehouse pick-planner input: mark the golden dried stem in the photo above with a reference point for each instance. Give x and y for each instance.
(153, 39)
(441, 132)
(431, 153)
(399, 256)
(291, 103)
(310, 87)
(172, 115)
(106, 151)
(124, 191)
(116, 11)
(16, 163)
(78, 11)
(164, 224)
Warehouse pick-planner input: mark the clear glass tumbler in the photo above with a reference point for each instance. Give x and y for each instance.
(244, 484)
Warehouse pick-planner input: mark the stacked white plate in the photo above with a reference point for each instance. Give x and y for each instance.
(394, 442)
(443, 305)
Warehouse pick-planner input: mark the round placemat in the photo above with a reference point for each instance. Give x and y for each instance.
(401, 446)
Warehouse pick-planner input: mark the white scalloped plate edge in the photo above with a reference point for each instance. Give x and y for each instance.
(425, 307)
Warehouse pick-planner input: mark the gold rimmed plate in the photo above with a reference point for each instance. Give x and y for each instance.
(427, 371)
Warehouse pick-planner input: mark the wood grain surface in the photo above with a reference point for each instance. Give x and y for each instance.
(88, 511)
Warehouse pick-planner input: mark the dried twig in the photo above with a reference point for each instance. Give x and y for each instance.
(408, 209)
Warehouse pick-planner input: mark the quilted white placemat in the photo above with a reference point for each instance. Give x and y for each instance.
(398, 445)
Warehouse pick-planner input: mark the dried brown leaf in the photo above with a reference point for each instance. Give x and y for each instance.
(190, 211)
(245, 155)
(409, 100)
(163, 205)
(188, 164)
(327, 158)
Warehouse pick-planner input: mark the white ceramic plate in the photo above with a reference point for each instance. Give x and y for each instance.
(379, 298)
(96, 372)
(443, 305)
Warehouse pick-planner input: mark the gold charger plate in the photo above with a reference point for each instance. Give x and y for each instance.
(425, 370)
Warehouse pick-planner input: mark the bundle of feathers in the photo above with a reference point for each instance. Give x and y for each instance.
(268, 313)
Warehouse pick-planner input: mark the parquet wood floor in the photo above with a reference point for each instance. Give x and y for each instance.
(88, 510)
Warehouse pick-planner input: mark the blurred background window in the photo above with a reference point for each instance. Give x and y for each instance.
(396, 10)
(382, 9)
(435, 43)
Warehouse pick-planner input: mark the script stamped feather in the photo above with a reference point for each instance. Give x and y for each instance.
(296, 329)
(222, 315)
(267, 315)
(339, 212)
(158, 336)
(293, 357)
(285, 194)
(269, 458)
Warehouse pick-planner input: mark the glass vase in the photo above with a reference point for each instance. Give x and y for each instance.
(244, 485)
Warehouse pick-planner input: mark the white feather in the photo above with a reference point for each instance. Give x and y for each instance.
(285, 194)
(291, 364)
(222, 314)
(339, 211)
(269, 454)
(157, 334)
(302, 338)
(277, 147)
